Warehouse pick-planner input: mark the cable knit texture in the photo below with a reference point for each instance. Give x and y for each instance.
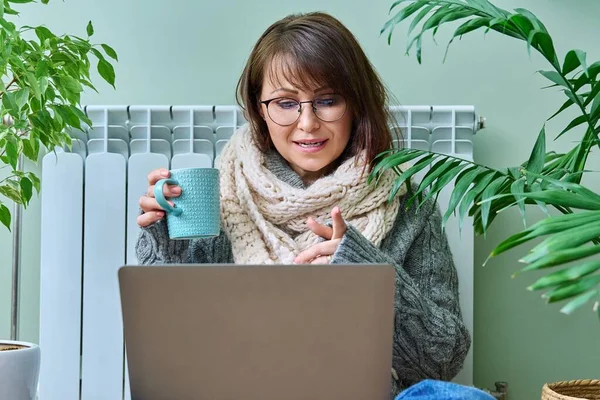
(265, 218)
(430, 339)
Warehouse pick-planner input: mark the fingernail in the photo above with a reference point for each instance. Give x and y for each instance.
(176, 190)
(159, 213)
(164, 173)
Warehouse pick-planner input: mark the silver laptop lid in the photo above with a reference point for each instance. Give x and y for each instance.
(258, 332)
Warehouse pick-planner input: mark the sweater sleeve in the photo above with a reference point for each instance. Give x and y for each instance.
(430, 339)
(155, 247)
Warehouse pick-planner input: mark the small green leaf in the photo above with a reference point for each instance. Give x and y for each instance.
(419, 17)
(572, 289)
(34, 85)
(461, 184)
(489, 191)
(11, 153)
(483, 180)
(9, 102)
(452, 16)
(90, 29)
(28, 150)
(68, 116)
(434, 20)
(535, 186)
(538, 155)
(538, 25)
(572, 61)
(564, 199)
(576, 122)
(21, 97)
(566, 274)
(34, 180)
(402, 14)
(69, 83)
(80, 114)
(43, 33)
(444, 180)
(26, 189)
(110, 51)
(569, 238)
(406, 175)
(470, 26)
(595, 110)
(562, 257)
(11, 193)
(439, 168)
(578, 302)
(522, 23)
(5, 216)
(555, 77)
(582, 60)
(9, 26)
(546, 226)
(543, 43)
(107, 72)
(516, 188)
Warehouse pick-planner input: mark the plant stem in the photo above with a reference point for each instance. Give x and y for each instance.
(14, 79)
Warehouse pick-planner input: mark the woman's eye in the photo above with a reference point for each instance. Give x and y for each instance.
(287, 105)
(325, 102)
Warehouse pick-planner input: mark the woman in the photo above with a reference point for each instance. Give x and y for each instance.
(294, 190)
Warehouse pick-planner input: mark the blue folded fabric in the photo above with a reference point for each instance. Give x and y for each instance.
(438, 390)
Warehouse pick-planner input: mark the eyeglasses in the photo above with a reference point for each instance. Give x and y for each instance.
(285, 111)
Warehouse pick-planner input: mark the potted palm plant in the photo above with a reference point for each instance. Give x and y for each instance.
(43, 76)
(546, 179)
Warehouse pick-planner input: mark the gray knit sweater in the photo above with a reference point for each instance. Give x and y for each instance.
(430, 339)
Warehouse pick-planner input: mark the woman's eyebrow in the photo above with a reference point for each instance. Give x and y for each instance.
(285, 90)
(296, 92)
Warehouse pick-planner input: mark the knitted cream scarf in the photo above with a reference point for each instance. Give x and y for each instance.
(265, 218)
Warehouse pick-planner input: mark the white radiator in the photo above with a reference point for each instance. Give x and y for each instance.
(88, 225)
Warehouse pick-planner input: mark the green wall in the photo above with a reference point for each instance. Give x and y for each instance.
(191, 52)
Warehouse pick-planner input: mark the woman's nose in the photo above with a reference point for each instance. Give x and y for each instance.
(308, 120)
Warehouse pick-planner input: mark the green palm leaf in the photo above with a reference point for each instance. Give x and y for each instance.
(546, 179)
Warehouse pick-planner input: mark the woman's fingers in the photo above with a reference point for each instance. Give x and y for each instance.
(168, 191)
(318, 250)
(157, 174)
(149, 218)
(319, 229)
(321, 260)
(148, 204)
(339, 226)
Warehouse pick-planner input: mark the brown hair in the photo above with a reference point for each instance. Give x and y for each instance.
(316, 49)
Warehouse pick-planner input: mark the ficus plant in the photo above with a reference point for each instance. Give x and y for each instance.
(546, 179)
(43, 76)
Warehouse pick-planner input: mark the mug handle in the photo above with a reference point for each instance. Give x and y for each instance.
(160, 197)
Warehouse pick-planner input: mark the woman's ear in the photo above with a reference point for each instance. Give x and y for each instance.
(260, 109)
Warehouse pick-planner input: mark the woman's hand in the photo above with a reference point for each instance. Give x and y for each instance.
(152, 211)
(321, 253)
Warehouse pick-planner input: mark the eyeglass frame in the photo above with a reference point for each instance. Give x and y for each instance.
(267, 102)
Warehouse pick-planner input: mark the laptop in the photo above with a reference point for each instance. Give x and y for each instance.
(235, 332)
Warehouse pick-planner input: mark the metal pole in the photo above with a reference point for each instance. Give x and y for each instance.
(16, 264)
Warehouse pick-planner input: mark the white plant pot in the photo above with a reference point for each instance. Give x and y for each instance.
(19, 370)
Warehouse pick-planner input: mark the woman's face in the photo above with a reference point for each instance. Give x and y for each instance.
(310, 145)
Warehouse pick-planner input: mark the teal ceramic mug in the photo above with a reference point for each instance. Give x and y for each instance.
(197, 212)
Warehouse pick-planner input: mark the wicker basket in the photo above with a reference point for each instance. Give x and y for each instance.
(572, 390)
